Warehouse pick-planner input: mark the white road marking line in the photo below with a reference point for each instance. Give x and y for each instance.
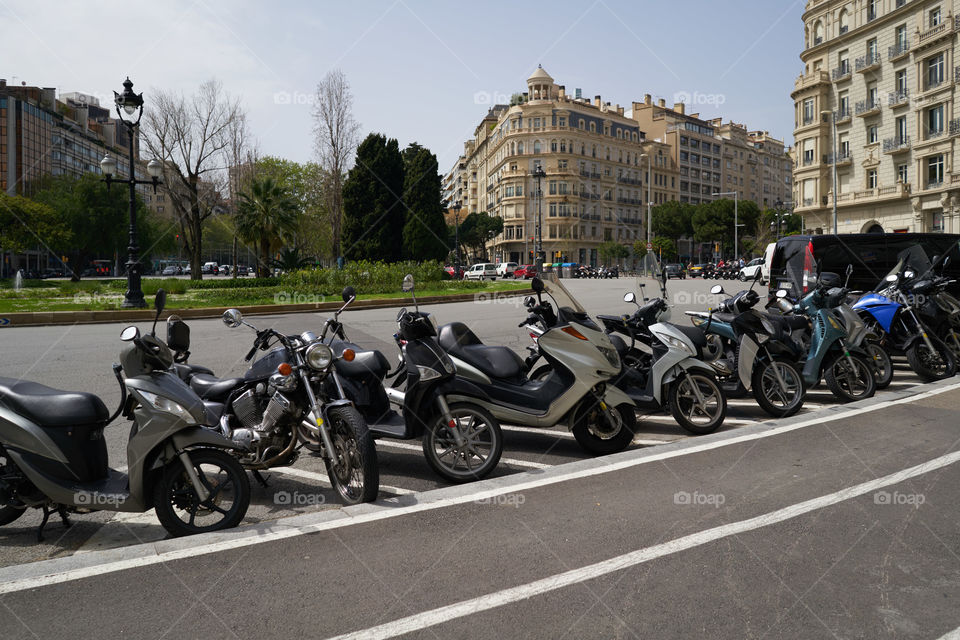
(415, 447)
(248, 538)
(546, 432)
(107, 537)
(325, 479)
(951, 635)
(504, 597)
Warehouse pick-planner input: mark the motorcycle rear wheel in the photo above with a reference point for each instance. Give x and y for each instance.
(932, 366)
(849, 384)
(352, 468)
(594, 431)
(951, 337)
(883, 365)
(480, 453)
(9, 512)
(699, 420)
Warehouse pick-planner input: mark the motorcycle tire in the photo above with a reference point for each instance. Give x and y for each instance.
(683, 403)
(353, 469)
(883, 365)
(9, 512)
(951, 337)
(763, 378)
(602, 439)
(841, 384)
(174, 494)
(451, 462)
(919, 359)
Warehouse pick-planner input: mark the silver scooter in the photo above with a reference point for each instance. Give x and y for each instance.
(53, 455)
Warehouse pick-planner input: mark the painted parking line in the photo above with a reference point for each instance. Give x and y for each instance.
(544, 432)
(505, 597)
(323, 478)
(31, 576)
(414, 447)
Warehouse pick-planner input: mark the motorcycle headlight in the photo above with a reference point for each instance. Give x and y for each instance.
(427, 373)
(318, 356)
(676, 343)
(612, 356)
(166, 405)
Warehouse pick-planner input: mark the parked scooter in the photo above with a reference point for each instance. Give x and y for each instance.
(753, 352)
(462, 441)
(53, 455)
(575, 391)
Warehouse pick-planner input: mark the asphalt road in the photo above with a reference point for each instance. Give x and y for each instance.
(79, 358)
(840, 527)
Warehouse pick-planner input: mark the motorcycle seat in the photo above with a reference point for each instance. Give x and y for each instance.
(497, 362)
(209, 387)
(695, 334)
(50, 407)
(186, 371)
(366, 361)
(789, 321)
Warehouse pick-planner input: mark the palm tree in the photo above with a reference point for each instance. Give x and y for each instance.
(265, 214)
(291, 259)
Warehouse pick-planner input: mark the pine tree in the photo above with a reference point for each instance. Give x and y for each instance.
(425, 231)
(373, 213)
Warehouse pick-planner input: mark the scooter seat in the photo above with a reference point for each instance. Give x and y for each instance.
(497, 362)
(50, 407)
(695, 334)
(788, 321)
(365, 362)
(212, 388)
(186, 371)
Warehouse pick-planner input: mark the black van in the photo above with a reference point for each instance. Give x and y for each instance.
(873, 255)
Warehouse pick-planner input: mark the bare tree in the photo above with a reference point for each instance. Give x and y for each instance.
(337, 135)
(241, 154)
(191, 136)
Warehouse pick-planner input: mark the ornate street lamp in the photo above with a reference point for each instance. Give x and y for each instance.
(539, 174)
(456, 233)
(131, 103)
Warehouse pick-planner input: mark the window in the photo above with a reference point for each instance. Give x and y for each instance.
(936, 17)
(935, 71)
(872, 9)
(871, 179)
(935, 171)
(844, 104)
(872, 133)
(900, 37)
(683, 140)
(553, 187)
(900, 81)
(593, 127)
(536, 146)
(935, 121)
(553, 146)
(871, 50)
(902, 173)
(901, 124)
(520, 148)
(844, 21)
(936, 221)
(872, 99)
(808, 111)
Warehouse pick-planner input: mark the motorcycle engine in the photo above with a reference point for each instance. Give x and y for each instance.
(264, 415)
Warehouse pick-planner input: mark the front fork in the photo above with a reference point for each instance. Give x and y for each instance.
(776, 371)
(449, 421)
(329, 451)
(201, 490)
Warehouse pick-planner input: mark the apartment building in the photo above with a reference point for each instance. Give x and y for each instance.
(593, 189)
(875, 107)
(755, 165)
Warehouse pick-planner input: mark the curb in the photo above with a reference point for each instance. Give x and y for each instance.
(52, 318)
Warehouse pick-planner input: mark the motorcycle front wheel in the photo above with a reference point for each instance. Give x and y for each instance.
(353, 467)
(9, 512)
(951, 337)
(179, 508)
(477, 454)
(697, 404)
(779, 401)
(930, 366)
(601, 432)
(850, 379)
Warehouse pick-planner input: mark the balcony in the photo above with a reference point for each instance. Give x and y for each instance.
(868, 62)
(897, 144)
(868, 107)
(899, 98)
(842, 72)
(627, 180)
(933, 34)
(933, 134)
(841, 115)
(955, 127)
(897, 51)
(811, 80)
(843, 157)
(595, 176)
(808, 159)
(932, 84)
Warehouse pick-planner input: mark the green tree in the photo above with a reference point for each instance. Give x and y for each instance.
(265, 215)
(305, 183)
(477, 229)
(673, 219)
(425, 231)
(714, 221)
(25, 223)
(291, 259)
(613, 252)
(665, 248)
(639, 249)
(373, 214)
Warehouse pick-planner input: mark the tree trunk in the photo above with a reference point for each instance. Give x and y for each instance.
(196, 250)
(265, 258)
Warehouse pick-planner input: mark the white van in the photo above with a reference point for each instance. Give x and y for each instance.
(482, 271)
(767, 262)
(506, 269)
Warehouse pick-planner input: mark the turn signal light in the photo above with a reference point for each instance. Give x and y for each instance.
(573, 332)
(284, 369)
(349, 355)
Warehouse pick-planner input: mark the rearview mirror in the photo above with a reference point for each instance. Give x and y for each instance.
(529, 301)
(630, 297)
(946, 261)
(849, 270)
(349, 293)
(407, 284)
(160, 300)
(130, 333)
(537, 284)
(716, 289)
(781, 293)
(232, 318)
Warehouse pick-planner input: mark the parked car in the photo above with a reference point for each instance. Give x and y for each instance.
(52, 273)
(749, 270)
(186, 270)
(210, 268)
(697, 270)
(674, 271)
(506, 269)
(450, 272)
(525, 271)
(172, 270)
(242, 270)
(482, 271)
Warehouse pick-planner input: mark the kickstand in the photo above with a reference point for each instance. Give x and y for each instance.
(259, 478)
(47, 511)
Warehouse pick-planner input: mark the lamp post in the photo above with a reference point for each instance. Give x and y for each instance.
(779, 206)
(736, 219)
(649, 203)
(833, 144)
(456, 235)
(539, 174)
(131, 103)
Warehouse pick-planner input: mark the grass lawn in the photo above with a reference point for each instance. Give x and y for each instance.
(106, 295)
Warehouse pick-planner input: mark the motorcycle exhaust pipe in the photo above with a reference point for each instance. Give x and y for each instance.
(395, 396)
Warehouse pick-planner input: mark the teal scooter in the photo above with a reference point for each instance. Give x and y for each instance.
(846, 367)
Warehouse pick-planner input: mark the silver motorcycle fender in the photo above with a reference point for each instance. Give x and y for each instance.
(746, 360)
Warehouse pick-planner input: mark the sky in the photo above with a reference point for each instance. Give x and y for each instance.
(420, 70)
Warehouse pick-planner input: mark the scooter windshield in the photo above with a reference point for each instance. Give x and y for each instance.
(568, 309)
(913, 258)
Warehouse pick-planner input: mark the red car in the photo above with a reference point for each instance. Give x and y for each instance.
(450, 272)
(525, 271)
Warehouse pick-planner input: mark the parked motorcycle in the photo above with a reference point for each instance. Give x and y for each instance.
(282, 402)
(53, 455)
(462, 441)
(752, 352)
